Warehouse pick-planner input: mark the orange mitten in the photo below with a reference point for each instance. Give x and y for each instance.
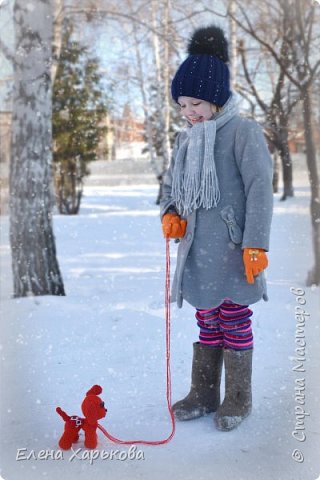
(255, 261)
(173, 226)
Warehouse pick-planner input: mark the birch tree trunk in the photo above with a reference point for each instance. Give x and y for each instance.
(34, 263)
(233, 43)
(166, 81)
(162, 87)
(166, 102)
(141, 83)
(160, 127)
(58, 13)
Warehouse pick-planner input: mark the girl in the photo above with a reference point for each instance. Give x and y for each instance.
(217, 199)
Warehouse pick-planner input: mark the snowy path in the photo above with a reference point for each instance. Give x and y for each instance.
(109, 329)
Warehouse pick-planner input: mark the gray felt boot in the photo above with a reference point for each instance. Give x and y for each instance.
(237, 402)
(204, 395)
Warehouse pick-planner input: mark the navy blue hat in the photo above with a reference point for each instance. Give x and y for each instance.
(204, 74)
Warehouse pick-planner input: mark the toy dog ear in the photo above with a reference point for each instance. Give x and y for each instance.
(95, 390)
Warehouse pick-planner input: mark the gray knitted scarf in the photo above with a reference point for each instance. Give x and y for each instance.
(195, 182)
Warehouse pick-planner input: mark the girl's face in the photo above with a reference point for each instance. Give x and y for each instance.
(196, 110)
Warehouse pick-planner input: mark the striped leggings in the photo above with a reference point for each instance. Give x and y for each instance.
(228, 326)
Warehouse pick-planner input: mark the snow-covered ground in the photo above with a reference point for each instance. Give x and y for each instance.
(110, 330)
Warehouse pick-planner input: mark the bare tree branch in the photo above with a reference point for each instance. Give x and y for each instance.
(250, 30)
(9, 55)
(245, 93)
(253, 89)
(314, 71)
(114, 14)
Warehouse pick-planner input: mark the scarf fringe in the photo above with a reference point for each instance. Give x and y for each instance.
(195, 183)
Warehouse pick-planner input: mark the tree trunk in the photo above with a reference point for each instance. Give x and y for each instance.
(34, 262)
(275, 180)
(159, 196)
(314, 274)
(69, 189)
(286, 161)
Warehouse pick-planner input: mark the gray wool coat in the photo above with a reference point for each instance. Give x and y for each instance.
(209, 264)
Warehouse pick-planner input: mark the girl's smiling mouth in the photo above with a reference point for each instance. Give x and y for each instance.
(196, 120)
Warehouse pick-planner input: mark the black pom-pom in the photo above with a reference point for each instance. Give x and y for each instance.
(209, 41)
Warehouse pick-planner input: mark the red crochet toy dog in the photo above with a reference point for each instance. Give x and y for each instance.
(93, 409)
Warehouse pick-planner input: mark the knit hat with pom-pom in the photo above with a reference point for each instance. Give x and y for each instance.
(205, 73)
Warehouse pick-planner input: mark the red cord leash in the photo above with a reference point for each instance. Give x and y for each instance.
(168, 371)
